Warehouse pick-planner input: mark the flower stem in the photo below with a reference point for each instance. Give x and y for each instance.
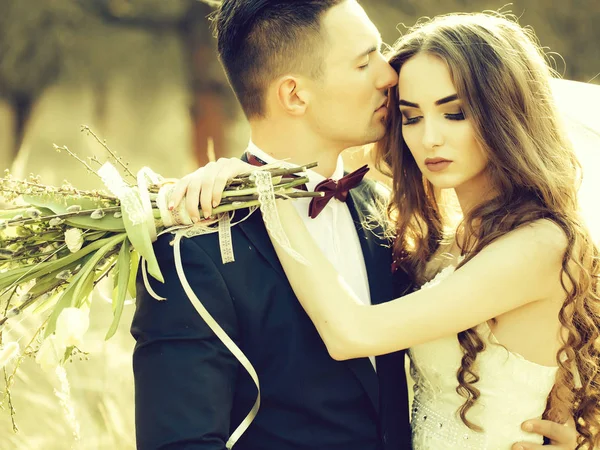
(251, 191)
(118, 159)
(74, 155)
(279, 172)
(284, 195)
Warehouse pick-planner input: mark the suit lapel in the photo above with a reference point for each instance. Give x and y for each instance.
(377, 261)
(377, 256)
(255, 231)
(377, 252)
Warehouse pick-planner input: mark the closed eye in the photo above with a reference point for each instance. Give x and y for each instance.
(457, 116)
(411, 120)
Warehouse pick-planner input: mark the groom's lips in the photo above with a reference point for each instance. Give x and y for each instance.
(382, 107)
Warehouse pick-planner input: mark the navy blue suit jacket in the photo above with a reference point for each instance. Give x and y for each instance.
(191, 393)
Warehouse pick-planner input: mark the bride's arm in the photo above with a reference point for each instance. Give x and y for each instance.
(519, 268)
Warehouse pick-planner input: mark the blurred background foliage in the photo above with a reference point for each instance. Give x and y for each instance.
(143, 74)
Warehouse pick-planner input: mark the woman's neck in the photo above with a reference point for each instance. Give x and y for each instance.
(474, 193)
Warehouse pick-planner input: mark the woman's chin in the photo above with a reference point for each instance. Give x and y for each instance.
(439, 183)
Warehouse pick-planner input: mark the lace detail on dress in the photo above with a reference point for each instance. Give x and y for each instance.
(512, 388)
(434, 431)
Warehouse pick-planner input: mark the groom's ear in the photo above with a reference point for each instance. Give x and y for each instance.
(291, 95)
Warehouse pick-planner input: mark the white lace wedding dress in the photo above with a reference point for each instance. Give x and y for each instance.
(512, 391)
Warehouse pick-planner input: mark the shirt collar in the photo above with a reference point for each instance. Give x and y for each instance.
(314, 178)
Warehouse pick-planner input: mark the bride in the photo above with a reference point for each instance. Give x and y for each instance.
(504, 322)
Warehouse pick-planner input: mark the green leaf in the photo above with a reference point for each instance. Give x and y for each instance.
(30, 273)
(95, 235)
(63, 302)
(60, 205)
(124, 265)
(8, 278)
(87, 286)
(140, 239)
(44, 304)
(82, 283)
(7, 214)
(135, 263)
(90, 266)
(68, 353)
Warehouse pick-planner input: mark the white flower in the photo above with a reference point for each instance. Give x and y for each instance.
(71, 325)
(34, 213)
(55, 221)
(97, 214)
(63, 275)
(10, 351)
(73, 209)
(50, 354)
(74, 239)
(24, 288)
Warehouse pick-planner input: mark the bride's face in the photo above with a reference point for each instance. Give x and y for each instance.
(437, 132)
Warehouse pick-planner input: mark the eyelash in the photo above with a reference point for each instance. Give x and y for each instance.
(413, 120)
(363, 67)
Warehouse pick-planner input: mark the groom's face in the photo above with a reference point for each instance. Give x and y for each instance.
(346, 105)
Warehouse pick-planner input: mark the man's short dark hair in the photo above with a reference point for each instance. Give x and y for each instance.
(260, 40)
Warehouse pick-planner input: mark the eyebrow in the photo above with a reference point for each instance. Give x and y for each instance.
(439, 102)
(367, 52)
(371, 49)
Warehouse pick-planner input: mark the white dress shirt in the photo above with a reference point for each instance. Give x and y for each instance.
(333, 230)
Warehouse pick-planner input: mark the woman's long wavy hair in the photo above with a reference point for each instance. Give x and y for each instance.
(502, 77)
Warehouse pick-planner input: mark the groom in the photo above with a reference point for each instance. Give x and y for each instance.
(312, 81)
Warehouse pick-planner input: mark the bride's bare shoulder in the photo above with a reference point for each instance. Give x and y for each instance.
(544, 234)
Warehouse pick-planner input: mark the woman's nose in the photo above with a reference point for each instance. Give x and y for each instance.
(432, 137)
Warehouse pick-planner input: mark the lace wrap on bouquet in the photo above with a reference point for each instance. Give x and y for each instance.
(266, 197)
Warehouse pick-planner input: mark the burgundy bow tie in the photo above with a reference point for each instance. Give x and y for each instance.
(335, 189)
(332, 189)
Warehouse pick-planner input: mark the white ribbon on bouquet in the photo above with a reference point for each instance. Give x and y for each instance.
(136, 203)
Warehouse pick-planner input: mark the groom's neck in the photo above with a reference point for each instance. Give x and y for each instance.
(296, 146)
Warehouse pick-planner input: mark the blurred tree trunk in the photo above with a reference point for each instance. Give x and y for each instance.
(33, 37)
(213, 102)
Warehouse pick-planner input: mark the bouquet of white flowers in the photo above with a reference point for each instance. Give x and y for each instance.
(58, 243)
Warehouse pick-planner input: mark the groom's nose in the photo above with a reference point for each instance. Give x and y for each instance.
(388, 78)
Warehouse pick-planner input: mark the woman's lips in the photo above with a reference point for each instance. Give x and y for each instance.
(437, 164)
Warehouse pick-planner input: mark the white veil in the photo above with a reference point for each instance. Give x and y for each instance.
(579, 103)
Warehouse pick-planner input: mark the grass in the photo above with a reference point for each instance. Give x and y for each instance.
(101, 393)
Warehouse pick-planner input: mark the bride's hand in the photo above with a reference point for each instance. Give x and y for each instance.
(562, 436)
(205, 186)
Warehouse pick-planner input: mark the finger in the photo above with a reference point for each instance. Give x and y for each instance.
(556, 432)
(192, 197)
(219, 187)
(178, 192)
(528, 446)
(231, 168)
(206, 190)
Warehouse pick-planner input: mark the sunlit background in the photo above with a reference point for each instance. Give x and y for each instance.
(144, 76)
